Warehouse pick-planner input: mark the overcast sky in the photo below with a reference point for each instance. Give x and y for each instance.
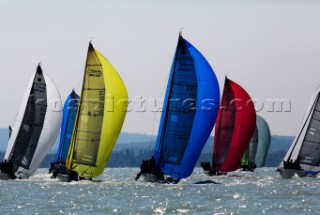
(271, 48)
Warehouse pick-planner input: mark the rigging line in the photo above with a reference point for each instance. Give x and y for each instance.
(85, 171)
(156, 113)
(152, 133)
(72, 167)
(85, 68)
(79, 90)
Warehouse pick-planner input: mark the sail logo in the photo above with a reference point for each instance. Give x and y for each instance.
(94, 73)
(54, 105)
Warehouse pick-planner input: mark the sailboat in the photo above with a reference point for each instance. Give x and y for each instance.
(35, 128)
(256, 153)
(234, 128)
(99, 118)
(68, 119)
(188, 116)
(303, 157)
(248, 159)
(264, 138)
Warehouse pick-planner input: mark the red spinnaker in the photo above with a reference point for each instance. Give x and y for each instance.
(235, 125)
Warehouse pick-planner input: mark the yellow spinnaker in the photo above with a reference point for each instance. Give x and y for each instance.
(100, 116)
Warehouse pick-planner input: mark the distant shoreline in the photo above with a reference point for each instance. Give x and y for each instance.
(137, 147)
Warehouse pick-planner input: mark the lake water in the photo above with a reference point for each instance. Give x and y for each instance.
(116, 192)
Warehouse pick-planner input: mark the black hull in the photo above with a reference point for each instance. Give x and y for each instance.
(214, 173)
(148, 177)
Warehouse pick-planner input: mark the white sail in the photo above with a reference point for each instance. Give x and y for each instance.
(49, 130)
(306, 128)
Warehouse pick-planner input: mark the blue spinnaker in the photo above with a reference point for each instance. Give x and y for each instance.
(189, 111)
(69, 115)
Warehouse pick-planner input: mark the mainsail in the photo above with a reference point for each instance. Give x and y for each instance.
(305, 149)
(36, 126)
(100, 116)
(189, 111)
(234, 127)
(68, 119)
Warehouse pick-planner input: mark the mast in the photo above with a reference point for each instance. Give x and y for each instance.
(301, 130)
(26, 141)
(306, 131)
(235, 126)
(309, 153)
(36, 127)
(67, 125)
(97, 127)
(92, 84)
(186, 122)
(224, 125)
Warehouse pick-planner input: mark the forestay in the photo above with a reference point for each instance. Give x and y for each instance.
(189, 111)
(100, 116)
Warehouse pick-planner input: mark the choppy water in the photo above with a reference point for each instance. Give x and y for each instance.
(261, 192)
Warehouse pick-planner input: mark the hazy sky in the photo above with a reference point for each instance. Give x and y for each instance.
(271, 48)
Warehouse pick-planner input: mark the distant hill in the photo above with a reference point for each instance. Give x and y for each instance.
(141, 146)
(126, 137)
(4, 135)
(124, 140)
(144, 148)
(280, 143)
(278, 148)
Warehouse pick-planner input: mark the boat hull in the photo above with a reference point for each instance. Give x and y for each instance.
(148, 177)
(68, 177)
(289, 173)
(151, 178)
(64, 177)
(214, 173)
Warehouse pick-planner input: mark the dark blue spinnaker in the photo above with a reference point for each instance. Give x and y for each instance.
(189, 112)
(68, 119)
